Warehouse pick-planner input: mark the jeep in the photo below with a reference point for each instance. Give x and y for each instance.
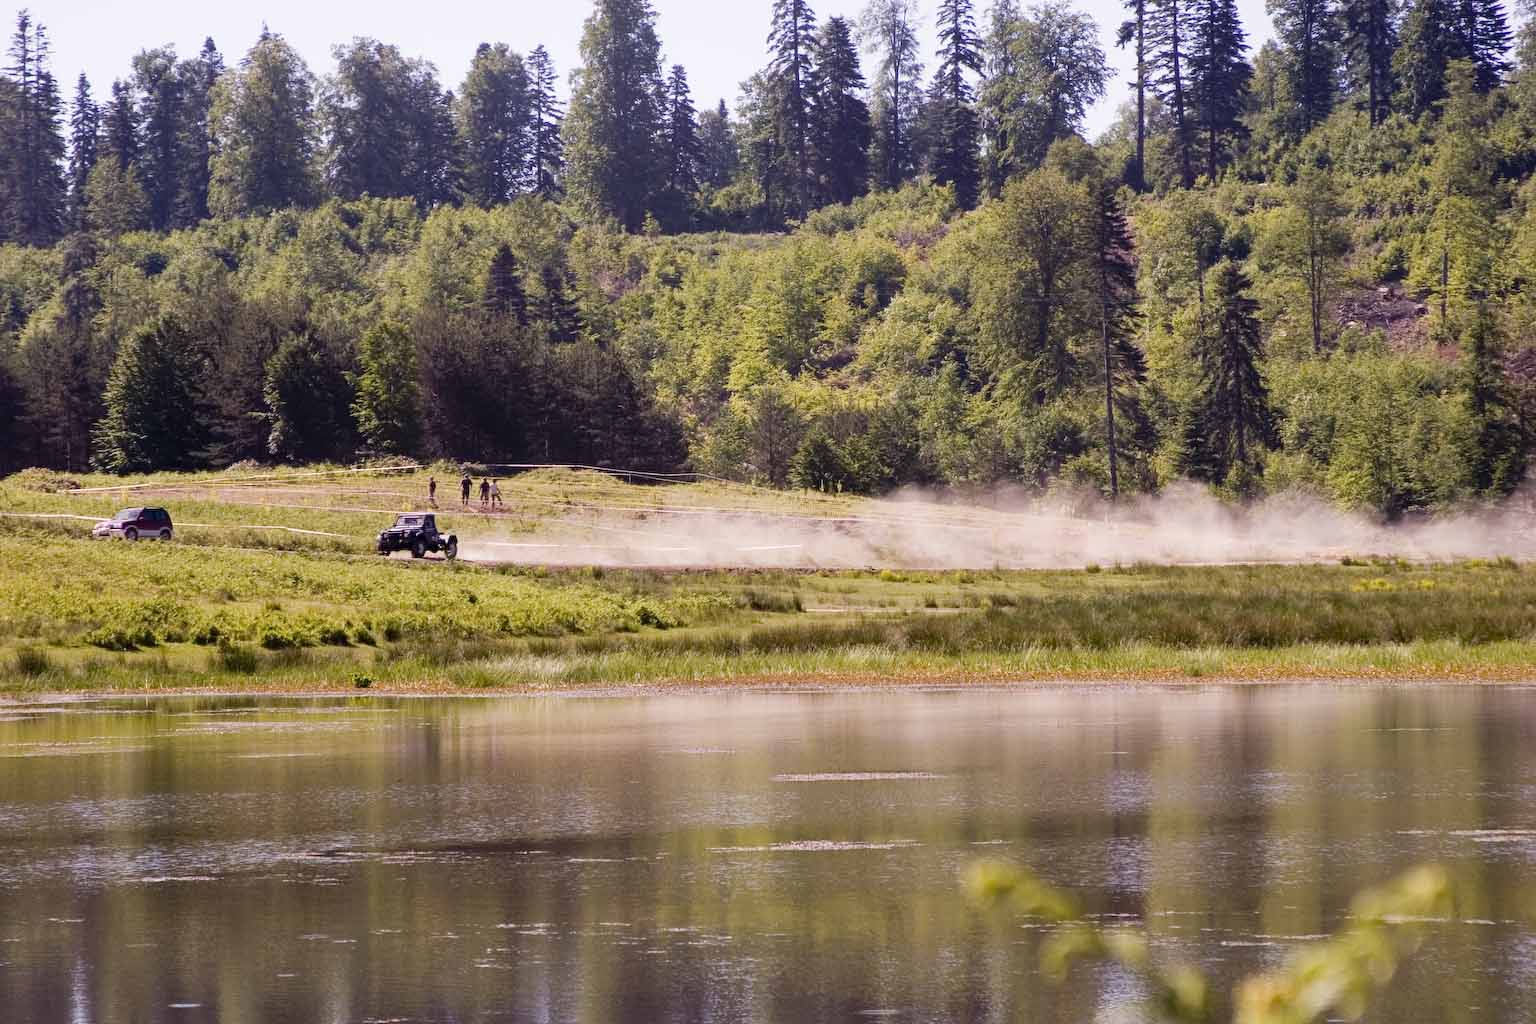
(417, 533)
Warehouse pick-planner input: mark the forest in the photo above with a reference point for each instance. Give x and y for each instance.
(1304, 266)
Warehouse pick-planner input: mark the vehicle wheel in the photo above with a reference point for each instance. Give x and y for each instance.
(418, 550)
(130, 534)
(165, 535)
(452, 550)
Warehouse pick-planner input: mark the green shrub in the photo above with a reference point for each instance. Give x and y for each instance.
(238, 659)
(33, 662)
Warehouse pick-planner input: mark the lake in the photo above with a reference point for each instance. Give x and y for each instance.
(763, 856)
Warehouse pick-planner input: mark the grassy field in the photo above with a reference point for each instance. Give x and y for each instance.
(241, 602)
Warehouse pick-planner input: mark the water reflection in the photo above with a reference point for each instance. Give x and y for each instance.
(766, 857)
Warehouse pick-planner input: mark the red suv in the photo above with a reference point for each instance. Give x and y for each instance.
(133, 523)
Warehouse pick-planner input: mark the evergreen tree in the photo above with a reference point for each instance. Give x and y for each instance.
(115, 200)
(1231, 423)
(1498, 462)
(1134, 31)
(504, 294)
(555, 309)
(198, 77)
(1309, 31)
(390, 127)
(718, 156)
(263, 132)
(35, 190)
(1169, 33)
(120, 127)
(791, 44)
(840, 126)
(84, 130)
(1438, 32)
(1485, 40)
(434, 160)
(889, 28)
(1219, 74)
(495, 124)
(1369, 41)
(1427, 47)
(308, 398)
(1114, 266)
(160, 101)
(613, 133)
(683, 148)
(154, 401)
(546, 155)
(955, 152)
(387, 409)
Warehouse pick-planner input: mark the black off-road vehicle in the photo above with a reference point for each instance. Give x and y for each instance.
(417, 533)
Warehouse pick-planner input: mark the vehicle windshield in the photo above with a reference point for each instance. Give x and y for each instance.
(127, 515)
(411, 521)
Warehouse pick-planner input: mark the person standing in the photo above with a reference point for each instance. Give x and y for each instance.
(495, 494)
(464, 486)
(432, 491)
(485, 493)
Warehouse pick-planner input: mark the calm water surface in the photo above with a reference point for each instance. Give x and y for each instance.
(767, 857)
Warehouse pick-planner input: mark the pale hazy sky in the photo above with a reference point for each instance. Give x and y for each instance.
(720, 42)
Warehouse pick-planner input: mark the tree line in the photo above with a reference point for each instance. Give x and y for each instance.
(1305, 267)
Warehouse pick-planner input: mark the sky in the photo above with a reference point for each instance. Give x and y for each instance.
(720, 42)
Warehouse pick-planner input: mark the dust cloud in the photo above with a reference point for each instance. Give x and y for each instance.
(920, 530)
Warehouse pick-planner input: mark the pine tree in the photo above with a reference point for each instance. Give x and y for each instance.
(1169, 34)
(613, 132)
(264, 132)
(719, 157)
(840, 131)
(495, 125)
(1369, 41)
(198, 77)
(791, 44)
(504, 294)
(1438, 32)
(155, 411)
(36, 187)
(546, 159)
(1231, 423)
(1131, 31)
(955, 152)
(390, 127)
(84, 129)
(889, 28)
(1485, 41)
(434, 161)
(555, 309)
(1498, 462)
(1219, 74)
(1114, 265)
(160, 101)
(120, 127)
(683, 149)
(999, 69)
(308, 401)
(1309, 31)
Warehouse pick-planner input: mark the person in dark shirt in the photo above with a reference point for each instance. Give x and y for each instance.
(464, 486)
